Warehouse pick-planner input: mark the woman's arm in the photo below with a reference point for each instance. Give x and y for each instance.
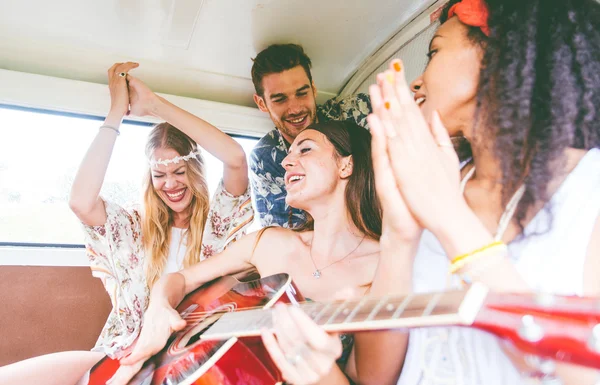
(161, 319)
(85, 199)
(378, 357)
(222, 146)
(504, 277)
(234, 259)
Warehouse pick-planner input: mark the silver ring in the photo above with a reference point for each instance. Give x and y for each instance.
(122, 74)
(298, 355)
(293, 360)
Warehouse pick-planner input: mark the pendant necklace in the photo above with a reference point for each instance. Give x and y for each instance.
(317, 273)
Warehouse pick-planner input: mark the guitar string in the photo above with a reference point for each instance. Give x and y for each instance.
(203, 313)
(198, 315)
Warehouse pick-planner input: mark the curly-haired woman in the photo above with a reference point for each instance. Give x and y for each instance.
(521, 81)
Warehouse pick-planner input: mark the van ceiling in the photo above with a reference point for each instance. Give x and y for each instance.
(195, 48)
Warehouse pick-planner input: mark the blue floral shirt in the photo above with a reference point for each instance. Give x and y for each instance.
(267, 174)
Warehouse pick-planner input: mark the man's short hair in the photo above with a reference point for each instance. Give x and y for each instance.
(278, 58)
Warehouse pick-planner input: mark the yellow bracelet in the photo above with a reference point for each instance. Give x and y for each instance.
(462, 260)
(488, 246)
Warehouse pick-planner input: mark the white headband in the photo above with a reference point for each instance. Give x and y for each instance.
(177, 159)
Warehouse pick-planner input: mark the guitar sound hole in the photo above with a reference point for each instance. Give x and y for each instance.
(196, 337)
(193, 335)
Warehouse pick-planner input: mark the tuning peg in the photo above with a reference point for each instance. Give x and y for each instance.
(551, 380)
(544, 370)
(530, 331)
(594, 341)
(545, 299)
(543, 366)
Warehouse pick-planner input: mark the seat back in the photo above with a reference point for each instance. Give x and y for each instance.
(46, 309)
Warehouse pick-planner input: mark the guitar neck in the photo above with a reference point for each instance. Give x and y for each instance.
(415, 310)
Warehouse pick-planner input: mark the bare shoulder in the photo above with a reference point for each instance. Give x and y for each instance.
(278, 235)
(275, 246)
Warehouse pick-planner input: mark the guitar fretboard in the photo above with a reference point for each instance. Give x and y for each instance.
(415, 310)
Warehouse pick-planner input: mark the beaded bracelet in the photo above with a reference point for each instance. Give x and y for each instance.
(115, 129)
(462, 260)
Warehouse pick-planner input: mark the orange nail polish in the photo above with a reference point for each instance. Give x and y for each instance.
(390, 77)
(397, 66)
(387, 105)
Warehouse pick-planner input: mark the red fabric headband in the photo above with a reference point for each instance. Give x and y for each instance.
(473, 13)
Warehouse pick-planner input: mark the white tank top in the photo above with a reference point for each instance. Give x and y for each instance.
(177, 250)
(551, 262)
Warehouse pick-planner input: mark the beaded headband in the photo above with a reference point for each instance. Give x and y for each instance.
(177, 159)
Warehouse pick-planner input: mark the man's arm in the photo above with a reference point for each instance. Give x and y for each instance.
(268, 186)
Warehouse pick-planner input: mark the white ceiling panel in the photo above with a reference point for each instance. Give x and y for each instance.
(195, 48)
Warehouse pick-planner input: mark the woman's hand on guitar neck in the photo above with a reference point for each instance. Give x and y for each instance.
(304, 353)
(160, 321)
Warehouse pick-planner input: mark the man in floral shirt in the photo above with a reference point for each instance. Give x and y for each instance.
(285, 90)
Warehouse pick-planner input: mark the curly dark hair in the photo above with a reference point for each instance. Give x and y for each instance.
(540, 88)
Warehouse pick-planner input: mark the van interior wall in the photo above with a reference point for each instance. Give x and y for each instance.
(411, 44)
(47, 309)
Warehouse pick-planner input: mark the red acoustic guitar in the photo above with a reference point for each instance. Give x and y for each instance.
(220, 344)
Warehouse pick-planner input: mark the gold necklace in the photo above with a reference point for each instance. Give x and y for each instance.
(317, 272)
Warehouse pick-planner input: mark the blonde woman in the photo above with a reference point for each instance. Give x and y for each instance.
(177, 226)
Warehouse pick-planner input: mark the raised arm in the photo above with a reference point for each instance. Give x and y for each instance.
(268, 189)
(216, 142)
(260, 187)
(85, 193)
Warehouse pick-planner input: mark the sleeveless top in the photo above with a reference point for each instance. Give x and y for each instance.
(550, 256)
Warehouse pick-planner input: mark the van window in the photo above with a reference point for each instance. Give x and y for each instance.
(40, 152)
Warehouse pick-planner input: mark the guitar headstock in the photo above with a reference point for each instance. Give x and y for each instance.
(555, 327)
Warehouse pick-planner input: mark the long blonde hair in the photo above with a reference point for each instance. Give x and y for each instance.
(157, 218)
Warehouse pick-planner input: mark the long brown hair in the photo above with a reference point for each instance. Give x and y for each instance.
(157, 218)
(362, 202)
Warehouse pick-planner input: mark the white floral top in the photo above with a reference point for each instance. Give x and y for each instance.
(117, 257)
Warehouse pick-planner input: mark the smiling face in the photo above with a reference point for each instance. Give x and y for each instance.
(289, 99)
(314, 170)
(450, 80)
(171, 181)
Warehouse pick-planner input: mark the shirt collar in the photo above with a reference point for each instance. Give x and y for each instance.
(320, 118)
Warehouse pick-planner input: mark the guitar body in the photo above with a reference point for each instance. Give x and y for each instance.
(186, 359)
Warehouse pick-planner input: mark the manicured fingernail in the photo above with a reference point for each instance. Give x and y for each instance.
(387, 105)
(397, 66)
(390, 77)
